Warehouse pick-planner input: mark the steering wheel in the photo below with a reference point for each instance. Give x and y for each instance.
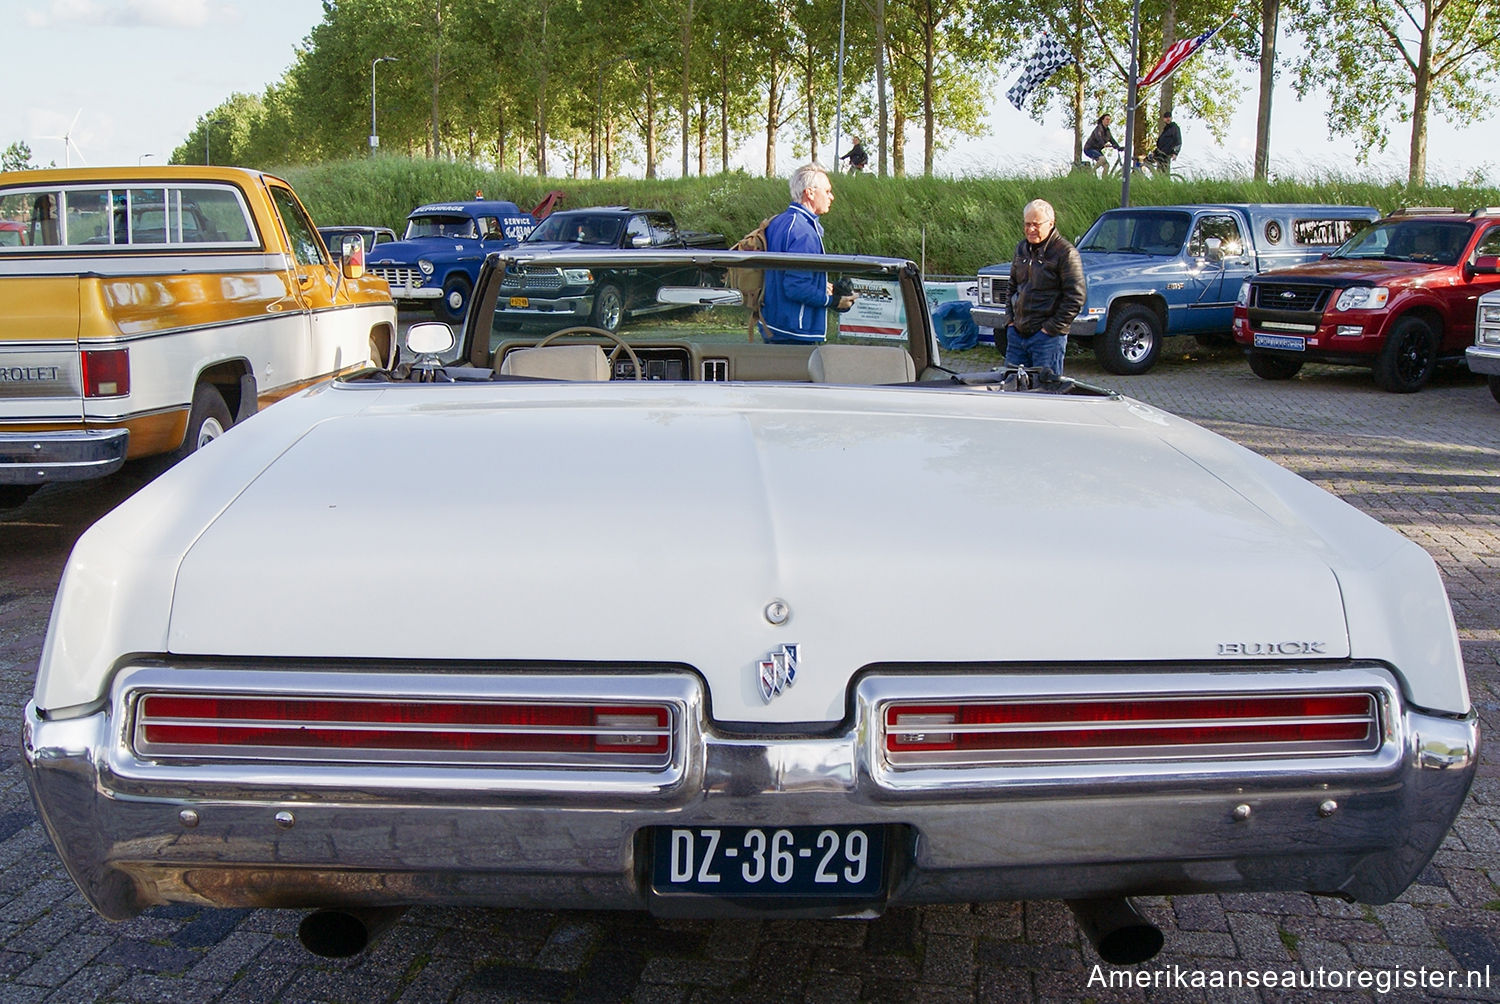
(589, 329)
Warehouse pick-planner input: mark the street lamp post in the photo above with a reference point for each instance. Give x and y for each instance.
(208, 129)
(142, 158)
(375, 136)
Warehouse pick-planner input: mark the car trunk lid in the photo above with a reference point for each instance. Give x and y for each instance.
(659, 526)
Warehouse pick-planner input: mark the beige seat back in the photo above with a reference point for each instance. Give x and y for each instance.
(558, 362)
(861, 364)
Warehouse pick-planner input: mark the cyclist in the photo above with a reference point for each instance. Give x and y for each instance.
(1101, 137)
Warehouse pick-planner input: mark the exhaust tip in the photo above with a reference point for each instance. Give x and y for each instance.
(342, 934)
(1118, 932)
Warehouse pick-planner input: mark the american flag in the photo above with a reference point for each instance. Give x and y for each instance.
(1049, 55)
(1174, 57)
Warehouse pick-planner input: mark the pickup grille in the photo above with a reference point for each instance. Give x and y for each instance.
(993, 289)
(399, 275)
(533, 279)
(1287, 296)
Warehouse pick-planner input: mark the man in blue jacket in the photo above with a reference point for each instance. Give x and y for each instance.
(795, 307)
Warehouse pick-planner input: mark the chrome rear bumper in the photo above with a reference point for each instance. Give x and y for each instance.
(40, 458)
(135, 832)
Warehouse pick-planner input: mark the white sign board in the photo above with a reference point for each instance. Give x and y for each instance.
(877, 312)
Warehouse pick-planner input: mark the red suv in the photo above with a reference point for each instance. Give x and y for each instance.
(1398, 297)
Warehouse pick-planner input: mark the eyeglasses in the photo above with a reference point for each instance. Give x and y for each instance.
(1033, 226)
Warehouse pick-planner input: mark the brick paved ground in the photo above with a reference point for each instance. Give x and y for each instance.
(1426, 464)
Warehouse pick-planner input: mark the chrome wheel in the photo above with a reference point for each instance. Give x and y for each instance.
(1137, 339)
(609, 308)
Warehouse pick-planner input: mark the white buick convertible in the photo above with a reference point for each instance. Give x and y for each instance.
(677, 620)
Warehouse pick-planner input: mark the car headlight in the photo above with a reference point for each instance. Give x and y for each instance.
(1489, 324)
(577, 276)
(425, 266)
(1363, 298)
(1243, 299)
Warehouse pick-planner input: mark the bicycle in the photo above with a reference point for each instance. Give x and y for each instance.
(1155, 165)
(1108, 165)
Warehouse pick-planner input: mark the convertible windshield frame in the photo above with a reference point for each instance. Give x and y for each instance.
(582, 272)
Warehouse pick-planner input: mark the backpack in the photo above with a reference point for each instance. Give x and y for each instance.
(750, 281)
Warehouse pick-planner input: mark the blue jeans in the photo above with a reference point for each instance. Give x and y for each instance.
(1035, 350)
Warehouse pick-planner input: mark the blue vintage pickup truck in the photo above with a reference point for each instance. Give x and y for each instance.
(1155, 271)
(437, 261)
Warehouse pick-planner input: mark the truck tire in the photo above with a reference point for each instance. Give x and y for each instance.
(1131, 343)
(1269, 367)
(207, 420)
(455, 301)
(609, 308)
(1495, 388)
(1408, 357)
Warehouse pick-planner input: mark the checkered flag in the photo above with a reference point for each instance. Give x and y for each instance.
(1049, 55)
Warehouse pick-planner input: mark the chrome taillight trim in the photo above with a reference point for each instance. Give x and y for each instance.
(1166, 749)
(679, 694)
(879, 692)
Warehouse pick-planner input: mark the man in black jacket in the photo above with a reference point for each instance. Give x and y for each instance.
(1046, 292)
(1168, 144)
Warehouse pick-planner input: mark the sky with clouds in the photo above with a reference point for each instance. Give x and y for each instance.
(126, 80)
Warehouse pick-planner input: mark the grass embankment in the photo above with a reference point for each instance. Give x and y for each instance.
(965, 222)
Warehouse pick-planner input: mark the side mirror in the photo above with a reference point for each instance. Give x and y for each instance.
(353, 254)
(429, 338)
(1487, 264)
(640, 241)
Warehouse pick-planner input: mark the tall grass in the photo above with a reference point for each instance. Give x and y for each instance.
(951, 226)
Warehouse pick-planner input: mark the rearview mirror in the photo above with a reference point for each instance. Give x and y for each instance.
(1487, 264)
(700, 296)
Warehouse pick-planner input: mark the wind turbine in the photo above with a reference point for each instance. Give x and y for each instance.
(68, 145)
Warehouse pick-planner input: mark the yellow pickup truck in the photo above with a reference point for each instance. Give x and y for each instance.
(145, 310)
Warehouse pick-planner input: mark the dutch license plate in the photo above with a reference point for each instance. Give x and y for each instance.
(841, 861)
(1288, 343)
(520, 301)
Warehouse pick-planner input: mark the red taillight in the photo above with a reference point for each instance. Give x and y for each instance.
(1126, 727)
(106, 372)
(167, 723)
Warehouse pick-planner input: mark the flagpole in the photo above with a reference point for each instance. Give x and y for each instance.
(838, 115)
(1127, 161)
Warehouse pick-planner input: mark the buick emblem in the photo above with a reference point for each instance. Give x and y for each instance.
(778, 671)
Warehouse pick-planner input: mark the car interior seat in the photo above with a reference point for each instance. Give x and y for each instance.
(861, 364)
(557, 362)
